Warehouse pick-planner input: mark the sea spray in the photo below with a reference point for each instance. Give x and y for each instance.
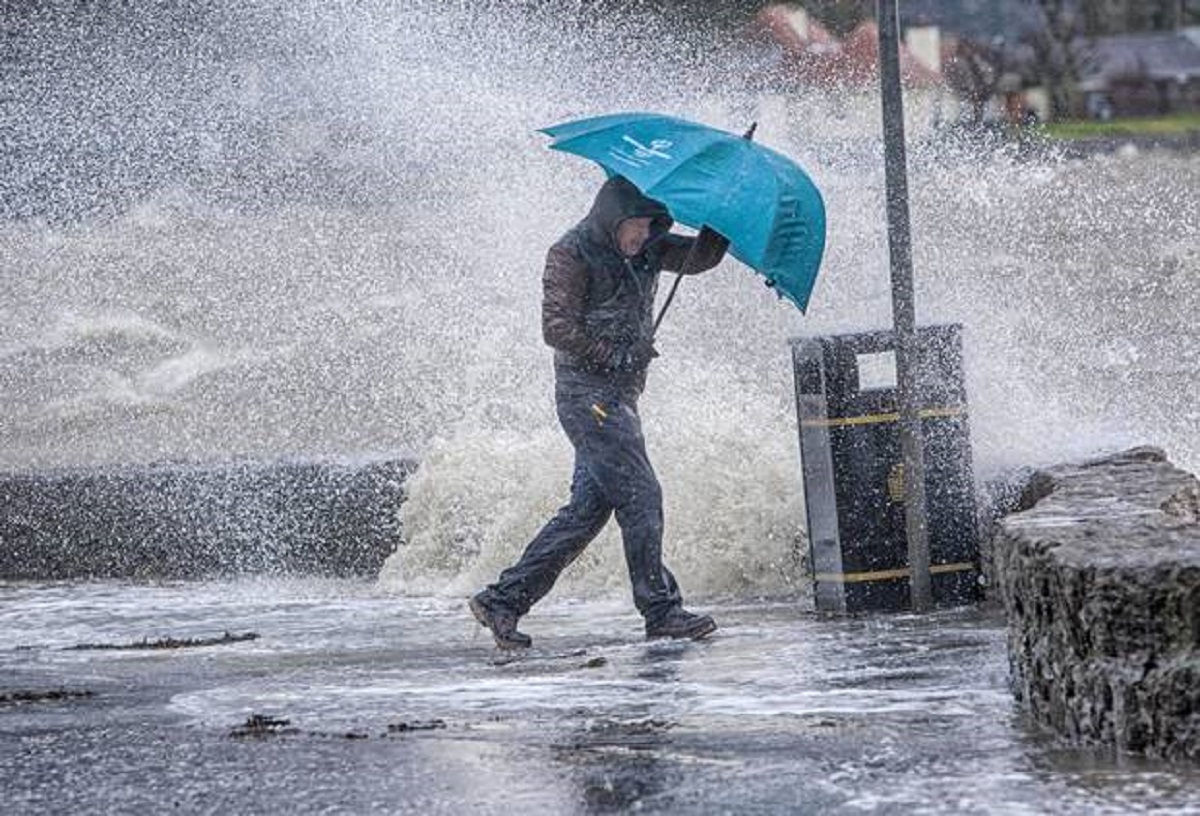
(732, 501)
(307, 229)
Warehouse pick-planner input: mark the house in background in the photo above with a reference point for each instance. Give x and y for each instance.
(949, 77)
(795, 57)
(1146, 74)
(975, 62)
(810, 56)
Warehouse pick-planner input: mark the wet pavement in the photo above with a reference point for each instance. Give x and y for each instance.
(352, 699)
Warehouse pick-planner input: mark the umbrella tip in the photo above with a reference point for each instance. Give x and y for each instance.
(749, 134)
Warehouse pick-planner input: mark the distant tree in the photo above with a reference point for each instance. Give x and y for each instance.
(1059, 52)
(974, 71)
(1104, 17)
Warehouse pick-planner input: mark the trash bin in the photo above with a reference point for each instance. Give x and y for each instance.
(847, 405)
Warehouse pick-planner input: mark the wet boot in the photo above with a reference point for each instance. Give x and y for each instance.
(501, 621)
(679, 623)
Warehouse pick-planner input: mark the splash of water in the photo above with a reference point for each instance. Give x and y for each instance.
(304, 229)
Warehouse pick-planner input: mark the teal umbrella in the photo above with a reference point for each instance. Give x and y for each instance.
(761, 200)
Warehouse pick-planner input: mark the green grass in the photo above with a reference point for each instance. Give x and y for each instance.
(1173, 125)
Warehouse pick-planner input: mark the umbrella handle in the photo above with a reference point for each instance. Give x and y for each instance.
(686, 270)
(748, 136)
(663, 311)
(689, 265)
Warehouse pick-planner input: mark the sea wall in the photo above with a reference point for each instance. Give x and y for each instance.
(192, 521)
(1100, 580)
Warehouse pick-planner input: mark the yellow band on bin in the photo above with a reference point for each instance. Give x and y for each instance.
(888, 575)
(871, 419)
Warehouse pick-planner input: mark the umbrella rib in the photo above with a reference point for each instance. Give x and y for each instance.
(783, 290)
(746, 157)
(680, 167)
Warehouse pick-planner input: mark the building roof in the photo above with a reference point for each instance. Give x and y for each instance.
(1155, 55)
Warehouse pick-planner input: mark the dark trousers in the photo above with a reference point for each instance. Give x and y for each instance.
(612, 475)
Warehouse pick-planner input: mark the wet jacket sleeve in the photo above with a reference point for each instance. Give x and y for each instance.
(690, 256)
(564, 300)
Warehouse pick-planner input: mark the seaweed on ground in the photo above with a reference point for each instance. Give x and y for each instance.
(41, 695)
(262, 726)
(172, 643)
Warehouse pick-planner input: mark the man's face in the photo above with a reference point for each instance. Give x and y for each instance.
(632, 234)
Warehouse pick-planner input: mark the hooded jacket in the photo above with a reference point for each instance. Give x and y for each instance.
(596, 302)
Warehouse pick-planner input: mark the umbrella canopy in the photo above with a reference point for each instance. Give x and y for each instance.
(762, 201)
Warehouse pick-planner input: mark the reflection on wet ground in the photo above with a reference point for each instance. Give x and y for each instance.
(353, 700)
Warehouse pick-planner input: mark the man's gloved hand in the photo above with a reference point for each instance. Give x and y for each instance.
(635, 356)
(708, 248)
(629, 356)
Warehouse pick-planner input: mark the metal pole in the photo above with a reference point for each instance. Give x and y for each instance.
(903, 312)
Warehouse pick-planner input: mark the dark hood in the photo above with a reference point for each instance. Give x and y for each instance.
(618, 200)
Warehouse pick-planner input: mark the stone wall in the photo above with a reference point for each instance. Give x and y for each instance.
(190, 521)
(1100, 580)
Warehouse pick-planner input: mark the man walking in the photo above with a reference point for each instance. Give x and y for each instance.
(598, 316)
